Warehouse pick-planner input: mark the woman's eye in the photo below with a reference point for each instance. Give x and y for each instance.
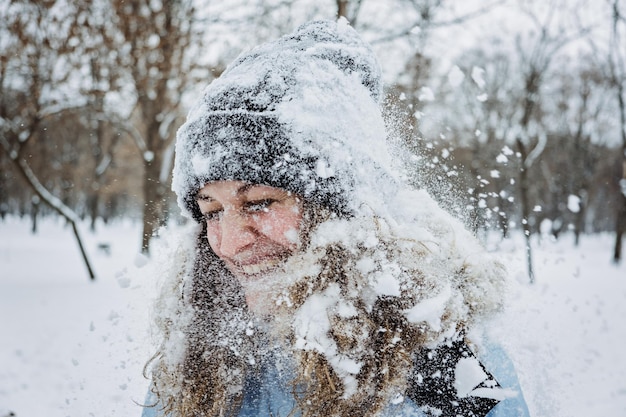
(259, 206)
(212, 215)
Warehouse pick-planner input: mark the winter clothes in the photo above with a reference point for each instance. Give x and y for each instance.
(435, 390)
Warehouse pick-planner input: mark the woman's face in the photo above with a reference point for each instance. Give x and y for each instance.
(252, 228)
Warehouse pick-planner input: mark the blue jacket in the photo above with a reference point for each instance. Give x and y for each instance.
(499, 394)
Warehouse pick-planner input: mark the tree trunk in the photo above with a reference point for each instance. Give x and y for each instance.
(154, 213)
(525, 203)
(92, 204)
(56, 204)
(526, 222)
(619, 232)
(154, 184)
(579, 225)
(342, 8)
(503, 221)
(620, 224)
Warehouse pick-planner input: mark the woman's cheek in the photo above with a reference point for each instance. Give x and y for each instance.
(267, 225)
(293, 236)
(213, 236)
(286, 227)
(270, 224)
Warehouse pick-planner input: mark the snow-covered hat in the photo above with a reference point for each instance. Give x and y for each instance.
(300, 113)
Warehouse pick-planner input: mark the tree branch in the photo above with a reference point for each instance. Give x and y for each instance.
(51, 200)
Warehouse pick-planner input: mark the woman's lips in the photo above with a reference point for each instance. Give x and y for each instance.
(257, 260)
(258, 267)
(255, 266)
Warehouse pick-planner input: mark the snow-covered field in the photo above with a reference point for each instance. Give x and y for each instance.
(70, 347)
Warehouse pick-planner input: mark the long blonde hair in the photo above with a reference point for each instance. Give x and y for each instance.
(374, 279)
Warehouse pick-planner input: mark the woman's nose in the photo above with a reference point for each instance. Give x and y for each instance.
(237, 232)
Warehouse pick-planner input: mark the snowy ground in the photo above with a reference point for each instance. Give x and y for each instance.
(70, 347)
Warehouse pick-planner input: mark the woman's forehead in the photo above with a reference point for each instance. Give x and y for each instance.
(236, 188)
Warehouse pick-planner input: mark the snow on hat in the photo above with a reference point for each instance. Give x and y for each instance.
(300, 113)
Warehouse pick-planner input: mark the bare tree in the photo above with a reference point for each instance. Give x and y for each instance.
(35, 47)
(618, 81)
(102, 78)
(531, 137)
(156, 54)
(581, 112)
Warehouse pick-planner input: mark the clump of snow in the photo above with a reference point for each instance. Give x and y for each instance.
(292, 235)
(312, 327)
(468, 374)
(426, 94)
(123, 281)
(573, 203)
(470, 380)
(386, 283)
(140, 260)
(455, 76)
(478, 76)
(430, 310)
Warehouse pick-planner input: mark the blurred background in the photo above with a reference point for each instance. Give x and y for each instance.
(513, 110)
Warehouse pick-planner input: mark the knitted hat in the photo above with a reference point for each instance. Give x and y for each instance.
(300, 113)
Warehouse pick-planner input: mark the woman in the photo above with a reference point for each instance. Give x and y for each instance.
(317, 284)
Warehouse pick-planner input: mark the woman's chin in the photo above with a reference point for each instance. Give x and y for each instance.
(259, 283)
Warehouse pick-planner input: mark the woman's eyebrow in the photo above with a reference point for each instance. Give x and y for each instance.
(244, 188)
(241, 190)
(203, 197)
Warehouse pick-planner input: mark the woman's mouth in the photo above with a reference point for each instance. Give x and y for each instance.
(259, 267)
